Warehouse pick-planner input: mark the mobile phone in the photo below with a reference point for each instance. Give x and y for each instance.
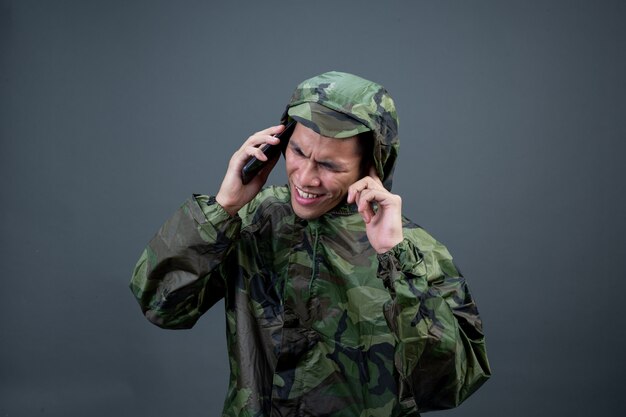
(254, 165)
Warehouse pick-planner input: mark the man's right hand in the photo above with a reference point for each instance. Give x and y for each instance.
(233, 194)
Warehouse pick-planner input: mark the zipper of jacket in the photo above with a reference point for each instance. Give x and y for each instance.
(316, 230)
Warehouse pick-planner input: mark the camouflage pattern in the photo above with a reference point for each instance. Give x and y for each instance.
(327, 122)
(318, 323)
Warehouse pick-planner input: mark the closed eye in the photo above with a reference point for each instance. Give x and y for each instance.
(329, 166)
(296, 149)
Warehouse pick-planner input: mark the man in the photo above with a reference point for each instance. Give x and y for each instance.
(336, 304)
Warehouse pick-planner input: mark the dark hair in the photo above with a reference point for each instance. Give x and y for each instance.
(366, 149)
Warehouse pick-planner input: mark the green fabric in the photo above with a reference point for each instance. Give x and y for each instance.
(318, 323)
(327, 122)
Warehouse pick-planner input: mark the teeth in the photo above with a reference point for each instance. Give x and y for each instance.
(305, 195)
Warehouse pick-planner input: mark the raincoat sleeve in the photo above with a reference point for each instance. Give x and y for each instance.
(180, 274)
(440, 352)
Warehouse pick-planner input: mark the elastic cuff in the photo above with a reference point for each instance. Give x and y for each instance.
(405, 257)
(211, 209)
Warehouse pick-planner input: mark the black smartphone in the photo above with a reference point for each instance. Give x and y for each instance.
(252, 167)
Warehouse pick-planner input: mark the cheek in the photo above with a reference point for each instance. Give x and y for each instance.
(339, 186)
(289, 164)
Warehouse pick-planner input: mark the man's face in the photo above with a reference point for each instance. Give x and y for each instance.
(320, 170)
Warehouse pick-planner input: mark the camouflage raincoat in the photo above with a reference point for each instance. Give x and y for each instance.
(318, 323)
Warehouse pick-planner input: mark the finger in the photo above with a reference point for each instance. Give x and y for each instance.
(256, 152)
(272, 130)
(368, 197)
(374, 174)
(365, 183)
(266, 170)
(379, 198)
(351, 196)
(245, 154)
(264, 136)
(259, 140)
(365, 204)
(355, 189)
(367, 213)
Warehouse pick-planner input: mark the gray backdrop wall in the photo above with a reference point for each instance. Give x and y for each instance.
(114, 112)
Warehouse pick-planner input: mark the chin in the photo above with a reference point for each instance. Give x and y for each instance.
(305, 214)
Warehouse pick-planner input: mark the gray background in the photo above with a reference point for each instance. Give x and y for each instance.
(113, 112)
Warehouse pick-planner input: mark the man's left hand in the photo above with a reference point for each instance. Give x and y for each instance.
(381, 211)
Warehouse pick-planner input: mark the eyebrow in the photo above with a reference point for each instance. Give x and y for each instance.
(334, 165)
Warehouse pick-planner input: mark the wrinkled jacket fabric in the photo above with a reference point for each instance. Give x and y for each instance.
(318, 323)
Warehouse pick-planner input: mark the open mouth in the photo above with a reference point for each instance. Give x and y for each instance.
(304, 194)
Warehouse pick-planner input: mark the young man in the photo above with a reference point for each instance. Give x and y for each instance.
(336, 304)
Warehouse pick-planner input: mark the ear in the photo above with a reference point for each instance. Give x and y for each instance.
(374, 175)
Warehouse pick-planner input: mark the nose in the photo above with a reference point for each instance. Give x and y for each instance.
(309, 175)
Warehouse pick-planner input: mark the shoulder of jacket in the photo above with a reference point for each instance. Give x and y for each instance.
(423, 240)
(436, 255)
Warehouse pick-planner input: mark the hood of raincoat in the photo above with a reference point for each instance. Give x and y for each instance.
(364, 101)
